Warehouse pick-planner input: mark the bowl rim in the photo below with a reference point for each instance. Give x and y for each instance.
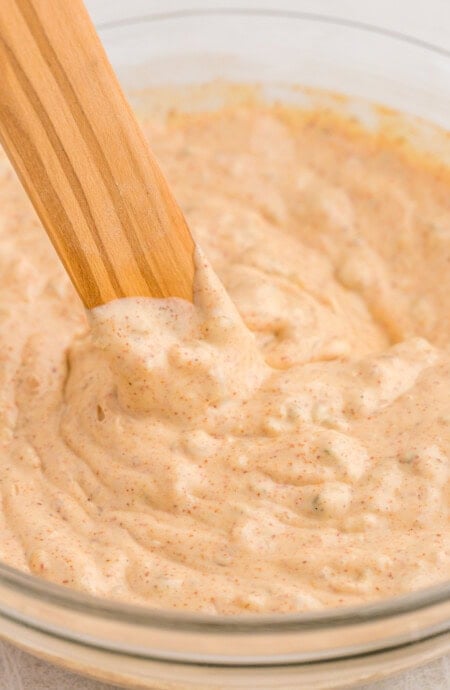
(142, 615)
(318, 17)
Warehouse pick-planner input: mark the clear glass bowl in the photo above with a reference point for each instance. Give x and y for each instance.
(151, 649)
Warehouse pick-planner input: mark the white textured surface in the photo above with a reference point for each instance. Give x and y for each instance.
(19, 671)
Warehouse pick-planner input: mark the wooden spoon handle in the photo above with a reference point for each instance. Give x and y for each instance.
(83, 159)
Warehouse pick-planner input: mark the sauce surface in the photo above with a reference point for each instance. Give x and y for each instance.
(284, 448)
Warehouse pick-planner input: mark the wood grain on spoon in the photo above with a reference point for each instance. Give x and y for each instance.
(83, 159)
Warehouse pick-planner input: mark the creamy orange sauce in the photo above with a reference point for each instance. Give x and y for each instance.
(286, 449)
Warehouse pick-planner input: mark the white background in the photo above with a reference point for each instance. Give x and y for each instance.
(18, 671)
(409, 16)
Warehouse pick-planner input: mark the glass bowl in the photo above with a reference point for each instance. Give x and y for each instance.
(145, 648)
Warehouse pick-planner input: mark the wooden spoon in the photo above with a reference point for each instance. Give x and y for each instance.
(83, 159)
